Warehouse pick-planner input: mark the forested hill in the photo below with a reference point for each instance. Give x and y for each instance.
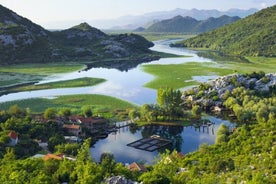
(22, 41)
(181, 24)
(254, 35)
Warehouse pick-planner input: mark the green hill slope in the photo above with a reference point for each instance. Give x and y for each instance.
(254, 35)
(181, 24)
(22, 41)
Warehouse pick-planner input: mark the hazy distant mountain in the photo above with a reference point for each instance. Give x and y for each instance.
(132, 22)
(254, 35)
(22, 41)
(187, 24)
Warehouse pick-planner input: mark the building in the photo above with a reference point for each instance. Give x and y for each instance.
(13, 137)
(52, 156)
(137, 167)
(92, 123)
(73, 129)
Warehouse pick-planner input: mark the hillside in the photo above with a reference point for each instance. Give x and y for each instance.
(22, 41)
(254, 35)
(181, 24)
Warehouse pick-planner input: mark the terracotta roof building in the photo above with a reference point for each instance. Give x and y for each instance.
(14, 138)
(137, 167)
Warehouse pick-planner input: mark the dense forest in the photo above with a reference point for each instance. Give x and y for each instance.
(245, 154)
(254, 35)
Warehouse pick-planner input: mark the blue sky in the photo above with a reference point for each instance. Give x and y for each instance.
(43, 11)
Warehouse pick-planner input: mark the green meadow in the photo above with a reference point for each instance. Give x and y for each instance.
(100, 104)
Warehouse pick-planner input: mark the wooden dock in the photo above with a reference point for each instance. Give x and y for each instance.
(150, 144)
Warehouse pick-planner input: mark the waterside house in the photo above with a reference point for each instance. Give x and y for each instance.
(137, 167)
(76, 130)
(92, 123)
(13, 138)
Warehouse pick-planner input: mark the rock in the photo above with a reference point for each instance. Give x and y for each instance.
(119, 180)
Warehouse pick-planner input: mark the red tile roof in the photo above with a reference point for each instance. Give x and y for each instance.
(51, 156)
(13, 135)
(72, 127)
(137, 167)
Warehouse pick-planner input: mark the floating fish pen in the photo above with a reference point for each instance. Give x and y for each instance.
(150, 144)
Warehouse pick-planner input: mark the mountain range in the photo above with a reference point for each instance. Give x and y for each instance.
(254, 35)
(22, 41)
(187, 24)
(146, 20)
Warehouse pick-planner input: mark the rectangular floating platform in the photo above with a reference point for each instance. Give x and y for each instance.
(150, 144)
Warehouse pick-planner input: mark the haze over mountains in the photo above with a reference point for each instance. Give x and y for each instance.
(132, 22)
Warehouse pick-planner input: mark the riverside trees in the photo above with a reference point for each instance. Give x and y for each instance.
(168, 106)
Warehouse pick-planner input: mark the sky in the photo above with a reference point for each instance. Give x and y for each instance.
(45, 11)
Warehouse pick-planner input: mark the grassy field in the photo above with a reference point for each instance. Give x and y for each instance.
(81, 82)
(180, 75)
(20, 74)
(100, 104)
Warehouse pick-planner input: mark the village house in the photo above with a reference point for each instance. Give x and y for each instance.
(13, 138)
(73, 129)
(52, 156)
(92, 123)
(137, 167)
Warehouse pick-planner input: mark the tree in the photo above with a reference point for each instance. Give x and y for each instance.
(86, 171)
(68, 148)
(15, 110)
(87, 112)
(65, 112)
(196, 111)
(222, 134)
(170, 101)
(55, 140)
(107, 163)
(133, 113)
(50, 113)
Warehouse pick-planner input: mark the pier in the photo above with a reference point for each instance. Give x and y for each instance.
(150, 144)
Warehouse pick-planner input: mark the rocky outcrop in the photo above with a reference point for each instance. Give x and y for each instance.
(119, 180)
(211, 93)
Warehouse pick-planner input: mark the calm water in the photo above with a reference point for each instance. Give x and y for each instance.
(185, 140)
(124, 85)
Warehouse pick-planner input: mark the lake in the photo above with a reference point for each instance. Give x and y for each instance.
(128, 85)
(184, 139)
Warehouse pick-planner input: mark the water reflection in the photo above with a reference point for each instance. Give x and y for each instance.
(126, 85)
(184, 139)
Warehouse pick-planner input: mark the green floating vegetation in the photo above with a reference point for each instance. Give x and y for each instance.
(42, 69)
(29, 73)
(180, 75)
(99, 103)
(81, 82)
